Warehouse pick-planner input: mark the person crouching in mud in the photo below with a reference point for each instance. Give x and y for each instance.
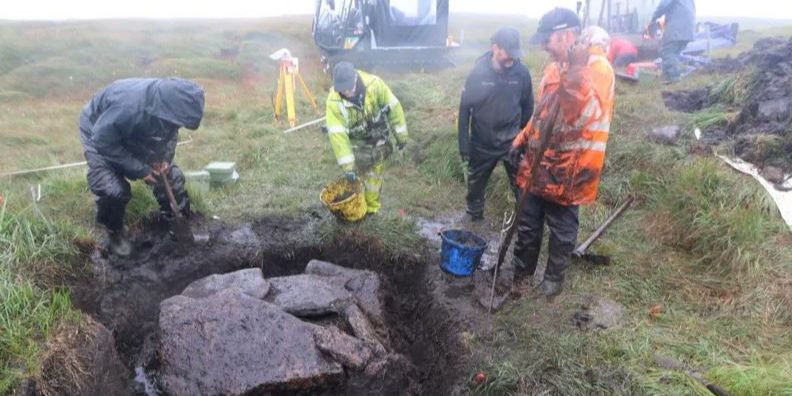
(129, 131)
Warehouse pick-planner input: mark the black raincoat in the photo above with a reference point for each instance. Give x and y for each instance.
(125, 129)
(135, 122)
(494, 107)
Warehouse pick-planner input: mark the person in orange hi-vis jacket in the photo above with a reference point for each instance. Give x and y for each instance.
(581, 80)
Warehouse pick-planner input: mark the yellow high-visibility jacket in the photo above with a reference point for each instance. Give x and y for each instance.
(349, 126)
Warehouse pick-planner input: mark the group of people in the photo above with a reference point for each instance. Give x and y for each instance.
(129, 131)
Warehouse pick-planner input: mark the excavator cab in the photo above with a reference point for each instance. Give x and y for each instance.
(382, 31)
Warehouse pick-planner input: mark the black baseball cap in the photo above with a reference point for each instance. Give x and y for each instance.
(508, 39)
(553, 21)
(344, 76)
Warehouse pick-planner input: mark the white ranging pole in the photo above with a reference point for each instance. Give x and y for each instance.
(64, 166)
(307, 124)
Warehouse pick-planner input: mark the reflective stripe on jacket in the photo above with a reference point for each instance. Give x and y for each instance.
(349, 124)
(569, 173)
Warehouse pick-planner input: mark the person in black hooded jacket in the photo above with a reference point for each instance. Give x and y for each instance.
(129, 130)
(496, 103)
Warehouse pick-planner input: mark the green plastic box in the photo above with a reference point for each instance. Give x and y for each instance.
(221, 172)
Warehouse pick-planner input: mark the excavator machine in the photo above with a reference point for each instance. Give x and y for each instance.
(371, 32)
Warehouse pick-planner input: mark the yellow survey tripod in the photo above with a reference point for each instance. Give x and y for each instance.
(287, 82)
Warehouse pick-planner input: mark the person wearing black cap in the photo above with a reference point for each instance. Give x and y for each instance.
(362, 114)
(497, 101)
(579, 83)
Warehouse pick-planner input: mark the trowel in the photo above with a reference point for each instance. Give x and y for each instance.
(181, 229)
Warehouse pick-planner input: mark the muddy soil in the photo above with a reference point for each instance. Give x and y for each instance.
(761, 95)
(124, 295)
(689, 101)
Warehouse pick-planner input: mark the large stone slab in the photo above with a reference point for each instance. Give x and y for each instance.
(230, 343)
(343, 348)
(362, 328)
(249, 281)
(363, 284)
(308, 295)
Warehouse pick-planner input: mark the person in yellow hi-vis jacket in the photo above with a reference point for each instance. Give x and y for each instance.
(362, 114)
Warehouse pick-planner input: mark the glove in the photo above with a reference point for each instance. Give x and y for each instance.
(515, 156)
(350, 176)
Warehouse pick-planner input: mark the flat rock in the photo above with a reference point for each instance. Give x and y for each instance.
(343, 348)
(308, 295)
(665, 135)
(230, 343)
(249, 281)
(599, 313)
(363, 284)
(366, 289)
(324, 268)
(362, 328)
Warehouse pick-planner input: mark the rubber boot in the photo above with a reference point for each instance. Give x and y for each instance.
(550, 288)
(118, 242)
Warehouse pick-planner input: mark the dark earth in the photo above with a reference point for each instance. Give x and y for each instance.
(761, 133)
(125, 294)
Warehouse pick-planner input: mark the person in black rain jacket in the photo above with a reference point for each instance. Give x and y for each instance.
(497, 102)
(129, 130)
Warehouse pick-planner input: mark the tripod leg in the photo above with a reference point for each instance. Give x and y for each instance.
(279, 95)
(289, 83)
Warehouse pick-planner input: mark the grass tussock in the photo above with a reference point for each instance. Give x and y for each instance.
(28, 318)
(769, 377)
(723, 221)
(392, 234)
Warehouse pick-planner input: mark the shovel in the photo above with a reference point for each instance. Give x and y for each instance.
(582, 250)
(181, 229)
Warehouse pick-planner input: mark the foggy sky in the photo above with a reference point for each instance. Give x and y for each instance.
(93, 9)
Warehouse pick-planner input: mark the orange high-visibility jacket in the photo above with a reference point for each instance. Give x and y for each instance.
(569, 173)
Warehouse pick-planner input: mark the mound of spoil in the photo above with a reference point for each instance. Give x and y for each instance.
(760, 94)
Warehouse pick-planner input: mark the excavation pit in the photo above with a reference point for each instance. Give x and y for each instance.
(422, 352)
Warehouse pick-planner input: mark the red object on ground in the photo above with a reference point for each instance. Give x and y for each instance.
(479, 378)
(633, 68)
(618, 47)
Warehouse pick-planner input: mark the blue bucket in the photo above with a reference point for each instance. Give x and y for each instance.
(461, 252)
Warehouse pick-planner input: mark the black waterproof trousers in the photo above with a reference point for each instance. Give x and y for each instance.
(563, 224)
(113, 191)
(480, 169)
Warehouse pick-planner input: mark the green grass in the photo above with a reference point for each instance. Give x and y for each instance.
(718, 218)
(758, 378)
(30, 249)
(701, 241)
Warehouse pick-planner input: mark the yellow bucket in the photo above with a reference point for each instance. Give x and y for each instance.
(345, 199)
